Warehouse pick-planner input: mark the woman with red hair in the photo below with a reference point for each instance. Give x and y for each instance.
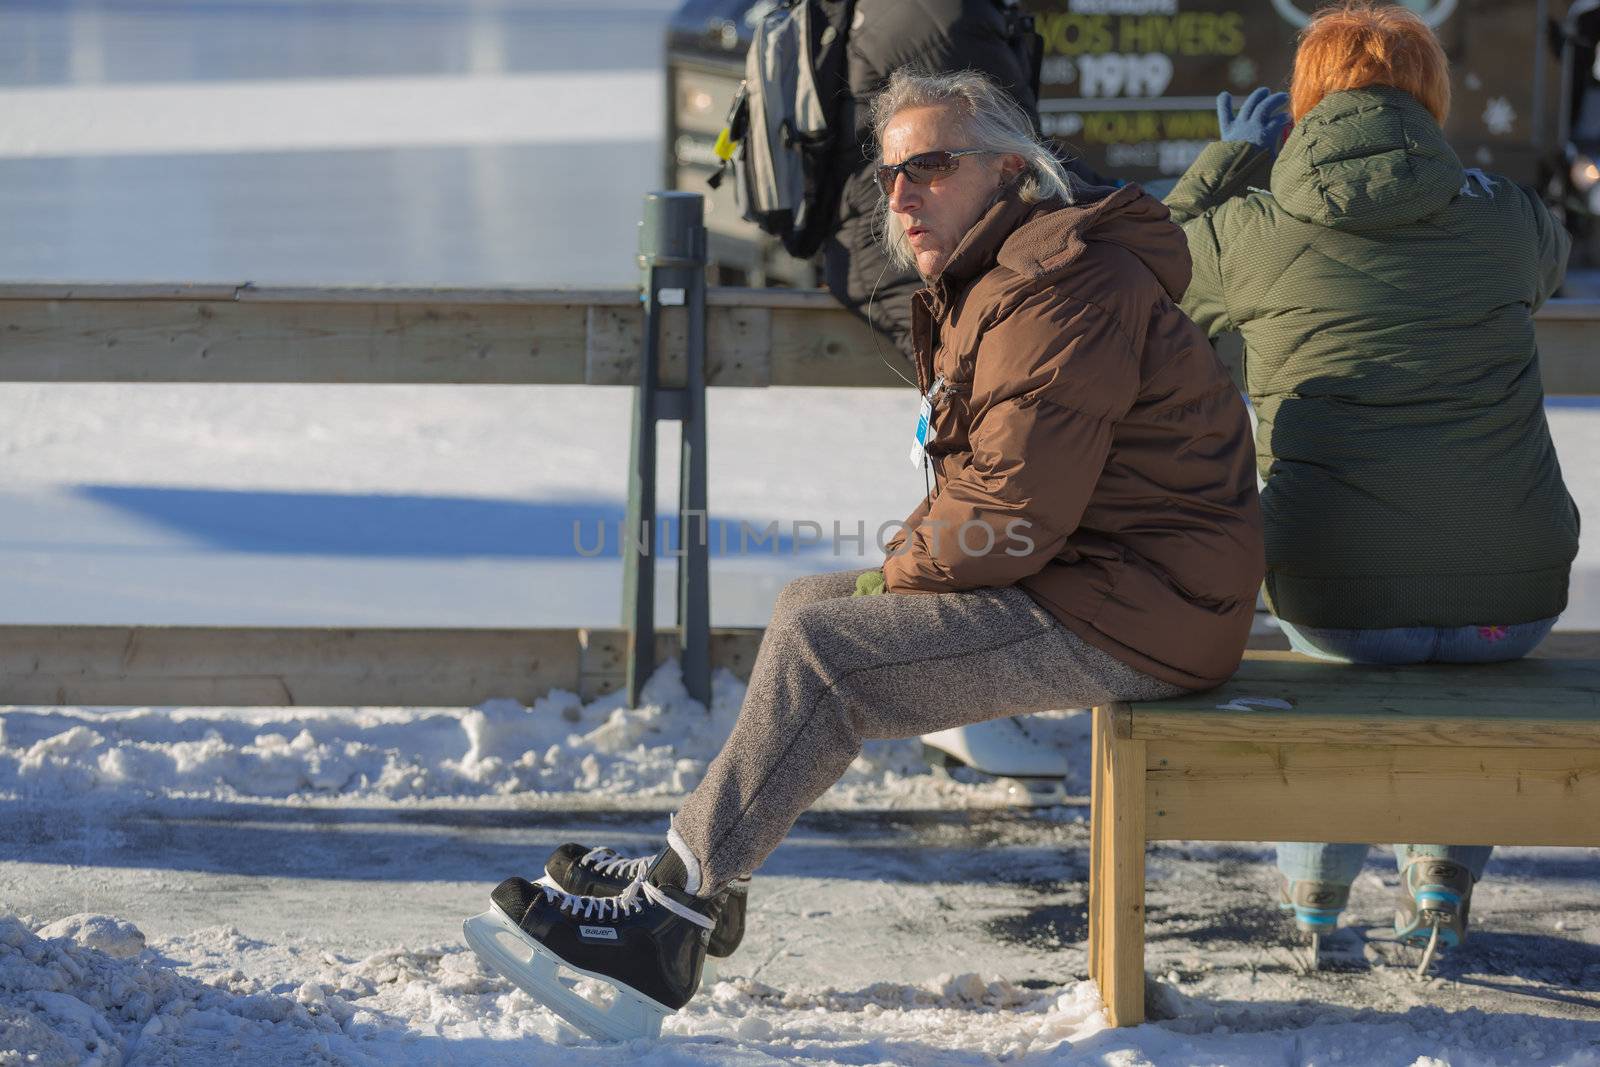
(1414, 506)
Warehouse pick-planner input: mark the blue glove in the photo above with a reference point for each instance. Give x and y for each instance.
(1260, 121)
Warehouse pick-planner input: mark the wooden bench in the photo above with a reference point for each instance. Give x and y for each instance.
(1292, 749)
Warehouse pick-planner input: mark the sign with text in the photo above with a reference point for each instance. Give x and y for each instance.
(1131, 85)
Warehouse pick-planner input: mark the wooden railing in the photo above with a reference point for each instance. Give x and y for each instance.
(246, 333)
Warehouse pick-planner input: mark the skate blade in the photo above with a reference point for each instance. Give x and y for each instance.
(536, 971)
(1428, 955)
(1420, 934)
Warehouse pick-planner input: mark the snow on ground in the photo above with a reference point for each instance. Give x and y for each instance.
(604, 752)
(257, 886)
(241, 1001)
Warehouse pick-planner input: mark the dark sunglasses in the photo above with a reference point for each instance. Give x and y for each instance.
(924, 167)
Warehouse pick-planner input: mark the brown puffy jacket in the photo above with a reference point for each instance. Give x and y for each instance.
(1078, 401)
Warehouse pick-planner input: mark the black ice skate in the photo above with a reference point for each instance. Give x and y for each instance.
(647, 942)
(603, 872)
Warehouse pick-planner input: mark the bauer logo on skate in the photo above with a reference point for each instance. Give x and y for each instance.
(598, 933)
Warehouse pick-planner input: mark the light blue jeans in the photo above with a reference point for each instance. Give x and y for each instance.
(1340, 864)
(1419, 644)
(1303, 861)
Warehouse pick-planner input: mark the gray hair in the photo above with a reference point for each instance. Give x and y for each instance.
(994, 123)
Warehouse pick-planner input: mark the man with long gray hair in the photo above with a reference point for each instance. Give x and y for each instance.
(936, 36)
(1092, 535)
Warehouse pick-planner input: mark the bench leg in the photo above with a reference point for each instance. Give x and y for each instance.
(1097, 936)
(1116, 872)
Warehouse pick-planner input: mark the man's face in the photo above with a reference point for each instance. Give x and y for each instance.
(936, 215)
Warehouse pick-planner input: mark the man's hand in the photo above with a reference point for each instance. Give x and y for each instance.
(869, 584)
(1260, 120)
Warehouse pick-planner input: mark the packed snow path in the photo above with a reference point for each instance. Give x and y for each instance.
(287, 885)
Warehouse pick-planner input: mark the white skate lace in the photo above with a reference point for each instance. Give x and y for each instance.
(624, 903)
(609, 862)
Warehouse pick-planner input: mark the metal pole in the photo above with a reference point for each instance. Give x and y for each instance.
(672, 262)
(637, 537)
(694, 523)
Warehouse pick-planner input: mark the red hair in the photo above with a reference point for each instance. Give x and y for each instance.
(1360, 43)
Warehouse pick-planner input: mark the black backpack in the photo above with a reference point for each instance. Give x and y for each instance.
(784, 125)
(781, 139)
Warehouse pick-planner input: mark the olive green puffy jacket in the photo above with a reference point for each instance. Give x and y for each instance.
(1386, 298)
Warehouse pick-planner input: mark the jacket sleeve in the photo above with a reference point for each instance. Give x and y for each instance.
(894, 545)
(1222, 171)
(1052, 379)
(1205, 300)
(1552, 244)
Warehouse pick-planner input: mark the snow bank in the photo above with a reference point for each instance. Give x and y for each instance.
(218, 997)
(602, 750)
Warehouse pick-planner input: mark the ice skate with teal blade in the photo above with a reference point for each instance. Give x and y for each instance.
(1436, 896)
(1314, 906)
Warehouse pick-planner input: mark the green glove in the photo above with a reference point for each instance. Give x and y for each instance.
(869, 584)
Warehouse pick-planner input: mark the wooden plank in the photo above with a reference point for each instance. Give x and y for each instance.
(1565, 310)
(1531, 702)
(1581, 677)
(249, 292)
(718, 296)
(1370, 730)
(605, 651)
(1116, 890)
(35, 291)
(380, 295)
(1372, 794)
(818, 300)
(1562, 644)
(319, 666)
(261, 666)
(738, 346)
(174, 332)
(1122, 722)
(812, 347)
(243, 666)
(1097, 777)
(201, 341)
(1567, 350)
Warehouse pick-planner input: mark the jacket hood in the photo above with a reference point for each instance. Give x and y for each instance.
(1366, 159)
(1044, 241)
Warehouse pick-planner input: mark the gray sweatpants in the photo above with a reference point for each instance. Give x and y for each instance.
(835, 670)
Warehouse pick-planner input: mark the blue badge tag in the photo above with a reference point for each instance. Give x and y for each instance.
(924, 426)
